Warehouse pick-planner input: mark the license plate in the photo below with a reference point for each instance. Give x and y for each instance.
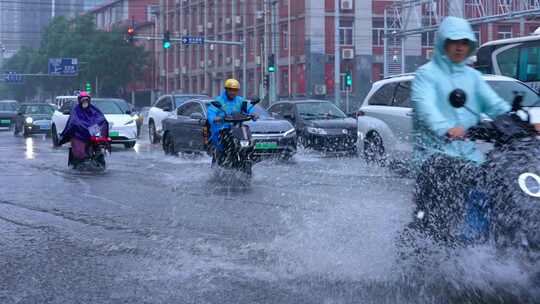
(114, 134)
(266, 145)
(5, 121)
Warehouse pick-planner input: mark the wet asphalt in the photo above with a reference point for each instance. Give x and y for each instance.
(165, 229)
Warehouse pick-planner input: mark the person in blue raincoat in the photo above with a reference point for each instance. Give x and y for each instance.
(434, 119)
(441, 153)
(231, 103)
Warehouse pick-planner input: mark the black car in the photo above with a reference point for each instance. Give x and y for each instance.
(320, 125)
(189, 131)
(33, 118)
(8, 112)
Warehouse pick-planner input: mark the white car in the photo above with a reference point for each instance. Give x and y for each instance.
(165, 107)
(122, 126)
(385, 117)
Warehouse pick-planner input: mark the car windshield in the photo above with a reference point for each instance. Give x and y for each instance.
(506, 90)
(38, 109)
(107, 106)
(179, 100)
(124, 106)
(8, 106)
(319, 110)
(261, 111)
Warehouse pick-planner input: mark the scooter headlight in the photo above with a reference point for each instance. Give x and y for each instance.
(29, 120)
(244, 143)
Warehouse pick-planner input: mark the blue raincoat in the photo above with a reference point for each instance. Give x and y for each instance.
(79, 122)
(433, 115)
(230, 107)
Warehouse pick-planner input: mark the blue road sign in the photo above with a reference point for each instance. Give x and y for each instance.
(63, 66)
(192, 40)
(12, 77)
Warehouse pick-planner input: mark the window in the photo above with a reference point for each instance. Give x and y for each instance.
(529, 62)
(508, 62)
(278, 109)
(285, 39)
(189, 108)
(402, 97)
(428, 39)
(68, 104)
(506, 89)
(378, 32)
(163, 103)
(383, 96)
(504, 32)
(346, 33)
(477, 34)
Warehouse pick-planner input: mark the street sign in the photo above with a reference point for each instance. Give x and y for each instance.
(12, 77)
(63, 66)
(192, 40)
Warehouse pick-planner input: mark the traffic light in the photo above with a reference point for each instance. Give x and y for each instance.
(88, 87)
(271, 63)
(167, 40)
(348, 79)
(266, 81)
(130, 33)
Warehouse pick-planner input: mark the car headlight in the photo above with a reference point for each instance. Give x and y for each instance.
(290, 132)
(129, 122)
(29, 120)
(317, 131)
(135, 117)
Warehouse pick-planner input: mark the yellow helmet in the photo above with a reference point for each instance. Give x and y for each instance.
(232, 84)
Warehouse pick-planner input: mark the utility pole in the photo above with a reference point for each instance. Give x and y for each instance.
(273, 76)
(162, 72)
(337, 57)
(266, 47)
(289, 33)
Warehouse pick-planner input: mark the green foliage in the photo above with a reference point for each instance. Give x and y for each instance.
(105, 55)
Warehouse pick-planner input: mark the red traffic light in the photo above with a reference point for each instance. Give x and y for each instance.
(131, 31)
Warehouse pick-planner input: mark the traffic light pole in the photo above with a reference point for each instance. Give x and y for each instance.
(242, 44)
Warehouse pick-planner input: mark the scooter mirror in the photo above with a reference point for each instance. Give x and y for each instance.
(457, 98)
(216, 104)
(517, 103)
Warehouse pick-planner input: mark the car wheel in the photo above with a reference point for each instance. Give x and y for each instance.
(152, 135)
(54, 136)
(168, 145)
(129, 145)
(374, 149)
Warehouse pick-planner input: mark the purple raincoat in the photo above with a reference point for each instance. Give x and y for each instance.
(79, 122)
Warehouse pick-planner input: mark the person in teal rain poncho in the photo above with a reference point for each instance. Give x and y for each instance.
(435, 121)
(442, 155)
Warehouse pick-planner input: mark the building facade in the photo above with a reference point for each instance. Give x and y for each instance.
(301, 35)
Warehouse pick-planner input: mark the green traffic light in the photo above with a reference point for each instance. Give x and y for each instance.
(166, 44)
(88, 87)
(271, 69)
(348, 80)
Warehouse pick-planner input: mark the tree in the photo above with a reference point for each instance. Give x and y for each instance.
(102, 55)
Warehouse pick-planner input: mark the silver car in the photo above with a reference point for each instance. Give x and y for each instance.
(384, 119)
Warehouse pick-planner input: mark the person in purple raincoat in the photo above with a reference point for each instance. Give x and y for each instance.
(84, 120)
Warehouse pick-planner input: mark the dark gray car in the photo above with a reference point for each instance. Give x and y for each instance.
(189, 131)
(320, 124)
(33, 118)
(8, 113)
